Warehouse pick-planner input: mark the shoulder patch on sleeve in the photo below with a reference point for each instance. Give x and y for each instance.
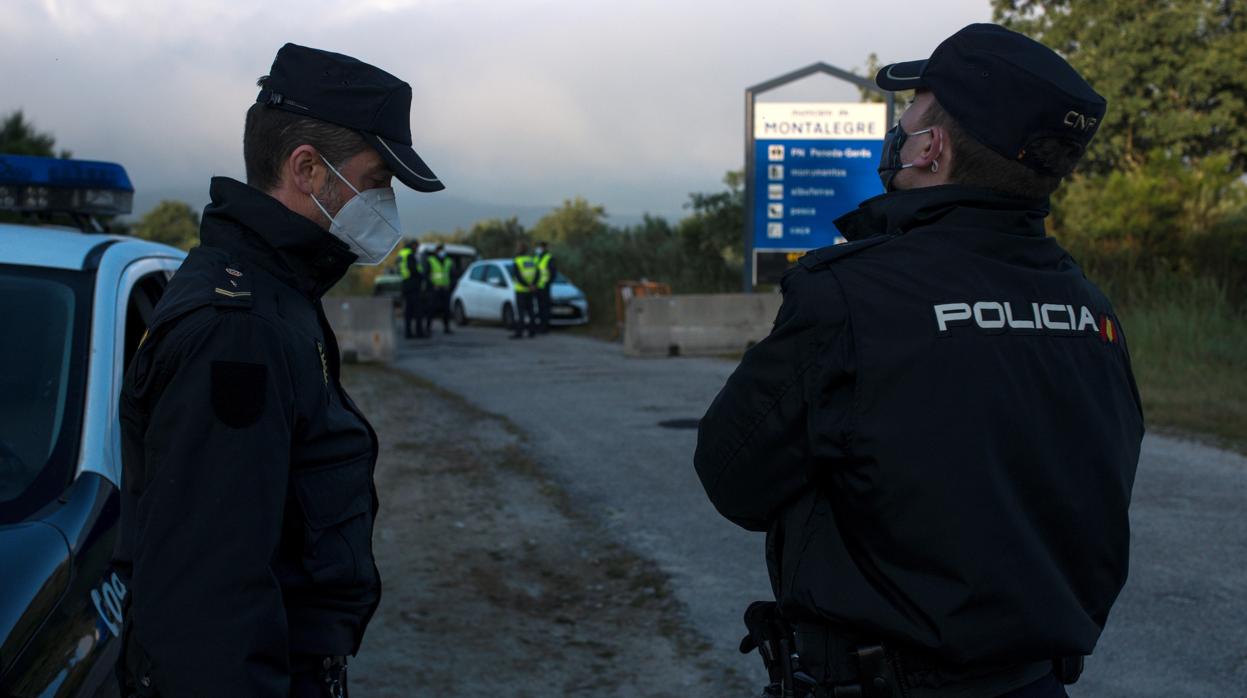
(238, 392)
(823, 256)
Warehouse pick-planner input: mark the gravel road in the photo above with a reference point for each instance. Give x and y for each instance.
(612, 433)
(493, 584)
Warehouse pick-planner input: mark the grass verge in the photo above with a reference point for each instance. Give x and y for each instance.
(1188, 345)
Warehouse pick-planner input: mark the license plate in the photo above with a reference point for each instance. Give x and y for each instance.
(563, 311)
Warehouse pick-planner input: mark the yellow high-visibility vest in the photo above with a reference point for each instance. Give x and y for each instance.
(525, 272)
(543, 267)
(404, 260)
(439, 272)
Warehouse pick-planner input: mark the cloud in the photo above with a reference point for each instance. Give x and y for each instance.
(525, 101)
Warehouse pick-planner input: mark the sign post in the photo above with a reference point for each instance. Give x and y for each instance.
(806, 163)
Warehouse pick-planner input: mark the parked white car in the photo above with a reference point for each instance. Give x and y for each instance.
(486, 292)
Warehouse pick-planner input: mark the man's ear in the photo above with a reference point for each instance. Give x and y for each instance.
(936, 150)
(301, 168)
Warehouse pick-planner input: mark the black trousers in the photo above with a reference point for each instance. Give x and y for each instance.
(413, 311)
(439, 305)
(543, 308)
(525, 318)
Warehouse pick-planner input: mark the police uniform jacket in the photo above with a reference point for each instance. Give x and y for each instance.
(248, 501)
(940, 435)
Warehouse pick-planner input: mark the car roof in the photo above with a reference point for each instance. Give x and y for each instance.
(451, 248)
(59, 247)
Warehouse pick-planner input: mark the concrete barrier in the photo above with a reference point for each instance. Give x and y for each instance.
(698, 324)
(364, 326)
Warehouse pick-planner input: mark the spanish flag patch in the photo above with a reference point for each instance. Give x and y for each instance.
(1108, 330)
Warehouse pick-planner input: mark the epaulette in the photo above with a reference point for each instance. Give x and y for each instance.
(231, 286)
(814, 259)
(207, 277)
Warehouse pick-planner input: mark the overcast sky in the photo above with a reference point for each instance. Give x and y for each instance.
(630, 103)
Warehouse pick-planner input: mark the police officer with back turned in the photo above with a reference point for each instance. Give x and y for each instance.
(940, 434)
(248, 506)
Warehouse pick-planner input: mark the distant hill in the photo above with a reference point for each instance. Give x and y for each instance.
(420, 214)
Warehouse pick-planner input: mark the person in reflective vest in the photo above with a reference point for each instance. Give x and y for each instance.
(545, 276)
(440, 267)
(524, 275)
(413, 281)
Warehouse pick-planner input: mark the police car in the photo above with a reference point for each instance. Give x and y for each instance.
(74, 304)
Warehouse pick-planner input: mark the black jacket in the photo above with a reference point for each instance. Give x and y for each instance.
(248, 502)
(940, 434)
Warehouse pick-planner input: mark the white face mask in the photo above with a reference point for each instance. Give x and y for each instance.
(368, 223)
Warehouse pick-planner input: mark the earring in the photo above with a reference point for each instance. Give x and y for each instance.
(935, 167)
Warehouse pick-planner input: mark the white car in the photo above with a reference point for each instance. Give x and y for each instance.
(486, 291)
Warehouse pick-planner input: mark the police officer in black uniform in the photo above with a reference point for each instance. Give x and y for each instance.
(941, 432)
(248, 505)
(412, 290)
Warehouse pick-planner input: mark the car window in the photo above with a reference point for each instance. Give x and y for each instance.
(139, 308)
(42, 377)
(494, 274)
(478, 272)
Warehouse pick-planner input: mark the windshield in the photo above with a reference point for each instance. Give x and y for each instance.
(42, 367)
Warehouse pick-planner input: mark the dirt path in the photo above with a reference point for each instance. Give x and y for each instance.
(494, 586)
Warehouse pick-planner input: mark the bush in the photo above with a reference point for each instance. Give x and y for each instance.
(1173, 217)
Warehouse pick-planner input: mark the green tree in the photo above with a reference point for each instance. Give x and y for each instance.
(573, 223)
(1172, 71)
(711, 238)
(1159, 194)
(495, 237)
(20, 137)
(170, 222)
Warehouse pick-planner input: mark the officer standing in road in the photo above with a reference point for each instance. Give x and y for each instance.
(249, 504)
(440, 269)
(413, 283)
(941, 432)
(546, 271)
(524, 275)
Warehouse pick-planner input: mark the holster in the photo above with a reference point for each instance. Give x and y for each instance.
(318, 676)
(864, 673)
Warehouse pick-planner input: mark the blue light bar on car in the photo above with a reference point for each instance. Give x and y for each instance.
(30, 184)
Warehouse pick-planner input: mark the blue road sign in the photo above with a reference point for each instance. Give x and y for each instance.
(813, 162)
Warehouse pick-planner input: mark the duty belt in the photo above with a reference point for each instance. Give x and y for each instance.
(815, 660)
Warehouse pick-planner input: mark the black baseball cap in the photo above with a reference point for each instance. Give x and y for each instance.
(1006, 89)
(348, 92)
